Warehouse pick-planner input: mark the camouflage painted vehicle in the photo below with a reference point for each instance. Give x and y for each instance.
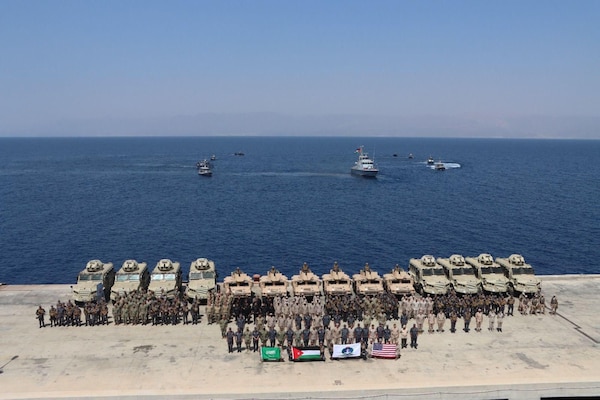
(521, 276)
(368, 282)
(202, 279)
(306, 283)
(489, 273)
(337, 281)
(398, 282)
(166, 279)
(461, 275)
(94, 282)
(429, 276)
(238, 284)
(274, 283)
(132, 276)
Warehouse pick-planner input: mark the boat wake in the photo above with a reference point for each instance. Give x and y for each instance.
(447, 165)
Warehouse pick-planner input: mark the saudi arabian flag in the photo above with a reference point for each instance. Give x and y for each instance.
(306, 354)
(270, 353)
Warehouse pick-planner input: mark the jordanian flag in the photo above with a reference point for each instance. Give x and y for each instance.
(306, 354)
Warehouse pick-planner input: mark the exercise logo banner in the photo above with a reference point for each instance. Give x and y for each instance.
(346, 350)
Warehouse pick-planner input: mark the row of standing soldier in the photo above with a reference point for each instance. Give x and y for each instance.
(140, 307)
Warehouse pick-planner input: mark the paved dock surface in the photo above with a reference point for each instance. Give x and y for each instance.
(536, 356)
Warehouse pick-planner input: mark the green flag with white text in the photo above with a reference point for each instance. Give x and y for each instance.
(270, 353)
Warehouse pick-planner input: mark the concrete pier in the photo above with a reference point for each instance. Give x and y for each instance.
(540, 356)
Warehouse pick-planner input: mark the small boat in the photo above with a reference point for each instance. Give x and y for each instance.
(395, 155)
(364, 166)
(430, 160)
(439, 166)
(410, 156)
(238, 153)
(213, 157)
(204, 168)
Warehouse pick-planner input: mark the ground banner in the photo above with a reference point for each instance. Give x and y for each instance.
(346, 350)
(270, 353)
(311, 353)
(384, 350)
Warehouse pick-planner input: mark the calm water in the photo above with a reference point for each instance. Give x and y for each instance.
(290, 200)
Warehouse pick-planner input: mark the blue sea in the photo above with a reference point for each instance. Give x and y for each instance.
(289, 200)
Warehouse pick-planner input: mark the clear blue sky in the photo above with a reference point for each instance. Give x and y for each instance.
(69, 61)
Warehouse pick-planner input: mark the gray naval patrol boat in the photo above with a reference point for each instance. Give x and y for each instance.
(364, 166)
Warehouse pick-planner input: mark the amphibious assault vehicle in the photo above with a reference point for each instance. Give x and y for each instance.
(94, 282)
(166, 279)
(429, 276)
(489, 273)
(202, 279)
(132, 276)
(521, 277)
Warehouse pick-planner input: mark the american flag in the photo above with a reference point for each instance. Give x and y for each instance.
(384, 350)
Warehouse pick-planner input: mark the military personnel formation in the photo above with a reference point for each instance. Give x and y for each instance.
(341, 319)
(286, 321)
(146, 307)
(69, 314)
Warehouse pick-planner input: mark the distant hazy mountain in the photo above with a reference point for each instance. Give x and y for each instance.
(274, 124)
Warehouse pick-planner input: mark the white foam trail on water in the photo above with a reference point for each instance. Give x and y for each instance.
(447, 165)
(452, 165)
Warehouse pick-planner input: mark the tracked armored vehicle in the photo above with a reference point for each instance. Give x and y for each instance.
(337, 281)
(306, 283)
(368, 282)
(461, 275)
(489, 273)
(398, 282)
(429, 276)
(94, 282)
(274, 283)
(521, 276)
(239, 284)
(202, 279)
(132, 276)
(166, 279)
